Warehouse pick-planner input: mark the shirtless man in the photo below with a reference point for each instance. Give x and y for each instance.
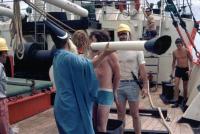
(151, 24)
(181, 57)
(108, 75)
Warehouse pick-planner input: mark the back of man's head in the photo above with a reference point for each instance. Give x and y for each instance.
(100, 35)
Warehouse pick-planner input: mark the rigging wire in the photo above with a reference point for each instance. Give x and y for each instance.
(174, 22)
(183, 25)
(48, 16)
(196, 25)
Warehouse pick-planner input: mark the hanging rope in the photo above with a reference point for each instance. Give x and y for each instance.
(16, 31)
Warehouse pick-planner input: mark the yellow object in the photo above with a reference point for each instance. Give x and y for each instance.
(3, 45)
(123, 28)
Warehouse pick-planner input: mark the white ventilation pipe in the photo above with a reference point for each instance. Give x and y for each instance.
(157, 45)
(8, 12)
(119, 45)
(69, 6)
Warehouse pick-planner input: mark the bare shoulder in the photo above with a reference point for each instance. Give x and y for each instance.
(113, 56)
(175, 51)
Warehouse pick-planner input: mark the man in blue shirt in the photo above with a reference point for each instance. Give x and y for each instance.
(76, 86)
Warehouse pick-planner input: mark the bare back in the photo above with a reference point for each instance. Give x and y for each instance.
(104, 74)
(182, 58)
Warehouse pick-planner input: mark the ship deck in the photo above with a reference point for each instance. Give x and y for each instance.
(44, 122)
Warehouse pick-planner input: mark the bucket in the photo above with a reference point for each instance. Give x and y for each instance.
(169, 91)
(164, 91)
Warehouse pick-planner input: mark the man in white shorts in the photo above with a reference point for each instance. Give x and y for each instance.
(131, 62)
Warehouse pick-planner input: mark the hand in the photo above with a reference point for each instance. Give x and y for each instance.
(116, 98)
(107, 50)
(142, 8)
(144, 92)
(189, 72)
(171, 75)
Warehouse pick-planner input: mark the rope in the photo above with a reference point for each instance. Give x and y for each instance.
(47, 15)
(16, 29)
(158, 108)
(183, 25)
(174, 22)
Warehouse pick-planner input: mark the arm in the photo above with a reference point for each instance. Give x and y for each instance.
(98, 59)
(144, 78)
(190, 60)
(116, 71)
(173, 63)
(143, 74)
(114, 62)
(152, 22)
(144, 12)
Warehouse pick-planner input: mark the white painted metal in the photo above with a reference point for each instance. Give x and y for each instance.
(193, 111)
(193, 83)
(119, 45)
(6, 12)
(51, 76)
(69, 6)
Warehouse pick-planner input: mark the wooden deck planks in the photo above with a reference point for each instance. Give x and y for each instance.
(44, 123)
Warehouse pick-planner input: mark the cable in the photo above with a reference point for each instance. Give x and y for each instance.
(183, 25)
(196, 25)
(158, 108)
(47, 15)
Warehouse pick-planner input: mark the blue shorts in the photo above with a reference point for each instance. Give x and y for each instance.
(105, 97)
(128, 90)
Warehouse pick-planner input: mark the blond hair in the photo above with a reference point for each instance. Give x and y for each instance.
(81, 41)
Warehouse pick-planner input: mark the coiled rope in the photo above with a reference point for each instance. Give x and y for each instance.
(16, 31)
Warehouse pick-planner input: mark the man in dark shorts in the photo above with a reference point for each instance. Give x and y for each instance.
(181, 60)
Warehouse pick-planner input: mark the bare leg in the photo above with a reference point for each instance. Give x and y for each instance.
(121, 110)
(176, 91)
(95, 106)
(185, 89)
(134, 109)
(102, 117)
(4, 117)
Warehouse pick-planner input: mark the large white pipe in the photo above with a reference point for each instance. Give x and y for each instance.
(8, 12)
(157, 45)
(69, 6)
(119, 45)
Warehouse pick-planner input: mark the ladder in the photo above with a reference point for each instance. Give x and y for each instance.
(40, 35)
(152, 64)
